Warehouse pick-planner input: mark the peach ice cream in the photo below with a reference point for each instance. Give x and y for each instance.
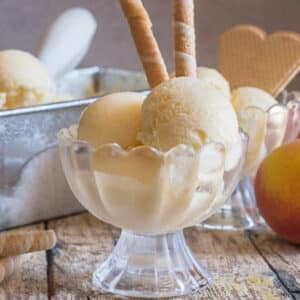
(189, 111)
(23, 80)
(215, 78)
(115, 118)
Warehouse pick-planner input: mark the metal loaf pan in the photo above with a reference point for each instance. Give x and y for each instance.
(32, 184)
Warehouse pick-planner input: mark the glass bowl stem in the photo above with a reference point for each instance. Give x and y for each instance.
(151, 266)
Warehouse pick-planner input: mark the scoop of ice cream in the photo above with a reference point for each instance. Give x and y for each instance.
(23, 79)
(215, 78)
(212, 76)
(115, 118)
(250, 96)
(190, 111)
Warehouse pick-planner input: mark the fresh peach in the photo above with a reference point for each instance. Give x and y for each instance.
(277, 189)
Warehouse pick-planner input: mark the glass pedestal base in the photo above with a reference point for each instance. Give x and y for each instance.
(239, 213)
(151, 266)
(228, 218)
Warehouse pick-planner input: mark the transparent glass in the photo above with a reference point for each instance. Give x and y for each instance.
(152, 196)
(267, 130)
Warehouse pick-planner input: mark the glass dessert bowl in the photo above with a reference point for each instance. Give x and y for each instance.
(266, 130)
(152, 196)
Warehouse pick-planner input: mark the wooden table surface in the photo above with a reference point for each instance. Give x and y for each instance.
(245, 265)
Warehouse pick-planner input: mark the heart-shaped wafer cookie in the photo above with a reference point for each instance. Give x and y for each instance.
(247, 56)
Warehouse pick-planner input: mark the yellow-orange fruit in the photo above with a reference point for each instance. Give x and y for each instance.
(277, 189)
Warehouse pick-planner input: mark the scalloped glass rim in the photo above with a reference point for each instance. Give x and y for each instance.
(269, 110)
(69, 135)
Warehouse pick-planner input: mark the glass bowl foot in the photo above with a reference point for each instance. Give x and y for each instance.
(151, 266)
(239, 213)
(228, 218)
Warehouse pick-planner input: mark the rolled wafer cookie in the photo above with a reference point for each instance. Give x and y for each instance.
(184, 38)
(248, 56)
(147, 47)
(12, 244)
(8, 266)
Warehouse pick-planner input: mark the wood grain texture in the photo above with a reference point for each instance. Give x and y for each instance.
(282, 257)
(239, 271)
(30, 282)
(251, 265)
(83, 243)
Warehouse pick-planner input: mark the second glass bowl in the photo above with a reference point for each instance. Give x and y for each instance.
(267, 130)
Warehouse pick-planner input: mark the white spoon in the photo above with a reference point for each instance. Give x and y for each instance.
(67, 41)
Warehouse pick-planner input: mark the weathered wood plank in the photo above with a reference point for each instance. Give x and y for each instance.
(239, 271)
(83, 242)
(30, 282)
(282, 256)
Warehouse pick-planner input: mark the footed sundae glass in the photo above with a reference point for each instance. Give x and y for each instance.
(151, 196)
(266, 130)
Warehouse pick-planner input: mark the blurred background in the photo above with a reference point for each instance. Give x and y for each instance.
(22, 25)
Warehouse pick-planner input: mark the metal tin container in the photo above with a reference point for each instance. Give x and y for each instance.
(32, 184)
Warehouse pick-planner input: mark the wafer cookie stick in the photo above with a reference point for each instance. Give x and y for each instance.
(140, 26)
(19, 243)
(8, 265)
(184, 38)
